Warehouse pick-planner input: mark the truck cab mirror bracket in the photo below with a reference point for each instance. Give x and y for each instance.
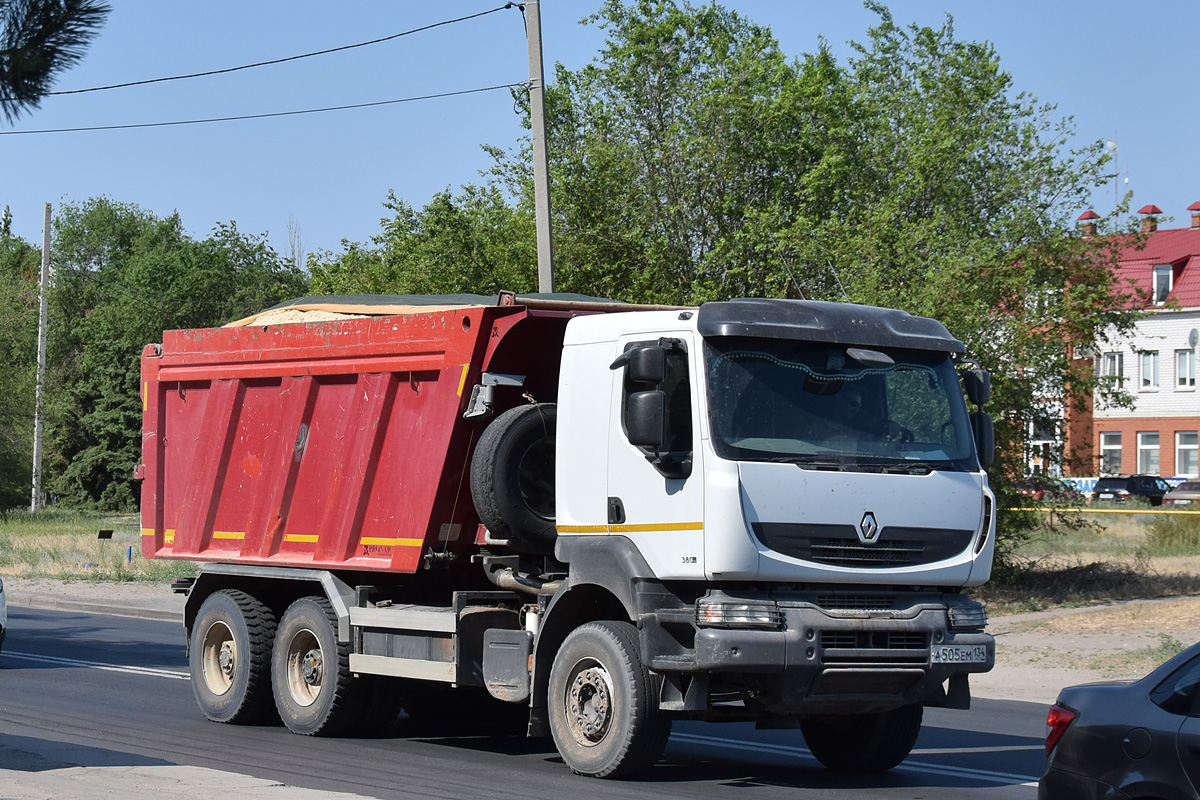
(482, 401)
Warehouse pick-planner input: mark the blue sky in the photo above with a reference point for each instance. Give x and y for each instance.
(1124, 71)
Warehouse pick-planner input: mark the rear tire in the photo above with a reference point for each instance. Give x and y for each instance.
(863, 742)
(512, 477)
(602, 703)
(315, 693)
(229, 656)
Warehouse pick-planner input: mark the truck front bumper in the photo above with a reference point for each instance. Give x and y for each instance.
(820, 660)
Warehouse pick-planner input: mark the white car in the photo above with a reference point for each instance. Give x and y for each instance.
(3, 614)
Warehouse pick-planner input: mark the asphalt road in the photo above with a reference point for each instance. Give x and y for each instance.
(98, 691)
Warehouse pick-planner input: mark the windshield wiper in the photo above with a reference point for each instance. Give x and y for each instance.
(909, 468)
(817, 462)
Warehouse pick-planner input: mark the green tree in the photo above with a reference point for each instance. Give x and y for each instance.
(40, 39)
(123, 275)
(19, 271)
(471, 242)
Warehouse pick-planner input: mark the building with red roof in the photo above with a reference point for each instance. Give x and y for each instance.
(1160, 435)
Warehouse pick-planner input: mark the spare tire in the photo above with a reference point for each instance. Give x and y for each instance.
(512, 478)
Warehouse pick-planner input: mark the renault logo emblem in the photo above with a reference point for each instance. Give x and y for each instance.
(868, 529)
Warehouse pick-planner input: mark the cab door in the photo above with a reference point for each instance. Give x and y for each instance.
(655, 478)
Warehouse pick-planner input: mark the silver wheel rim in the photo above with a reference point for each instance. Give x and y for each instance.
(589, 702)
(218, 658)
(305, 668)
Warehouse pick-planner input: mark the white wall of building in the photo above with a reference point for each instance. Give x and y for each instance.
(1164, 332)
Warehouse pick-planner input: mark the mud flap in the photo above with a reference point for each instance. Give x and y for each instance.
(506, 657)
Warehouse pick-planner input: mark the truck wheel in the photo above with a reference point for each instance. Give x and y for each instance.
(863, 742)
(512, 477)
(603, 711)
(315, 693)
(230, 658)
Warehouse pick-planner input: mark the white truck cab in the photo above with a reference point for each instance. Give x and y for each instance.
(793, 492)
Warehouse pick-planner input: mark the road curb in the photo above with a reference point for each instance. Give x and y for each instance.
(45, 602)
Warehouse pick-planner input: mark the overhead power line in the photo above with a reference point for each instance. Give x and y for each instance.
(265, 116)
(286, 59)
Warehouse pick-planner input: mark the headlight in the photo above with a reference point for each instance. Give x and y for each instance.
(968, 617)
(711, 613)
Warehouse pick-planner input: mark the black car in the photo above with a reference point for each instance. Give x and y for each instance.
(1150, 488)
(1127, 739)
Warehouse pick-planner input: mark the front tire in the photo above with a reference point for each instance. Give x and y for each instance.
(603, 705)
(863, 742)
(229, 657)
(315, 693)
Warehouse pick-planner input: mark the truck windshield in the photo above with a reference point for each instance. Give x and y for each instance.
(838, 407)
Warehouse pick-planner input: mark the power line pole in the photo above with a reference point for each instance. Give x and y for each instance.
(39, 402)
(537, 123)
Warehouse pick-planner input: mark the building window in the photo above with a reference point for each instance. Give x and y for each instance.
(1185, 369)
(1163, 275)
(1187, 445)
(1147, 459)
(1110, 453)
(1113, 366)
(1150, 369)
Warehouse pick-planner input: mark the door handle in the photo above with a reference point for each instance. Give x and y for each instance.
(616, 511)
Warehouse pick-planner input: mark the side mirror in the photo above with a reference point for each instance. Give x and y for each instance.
(645, 419)
(646, 364)
(978, 384)
(985, 436)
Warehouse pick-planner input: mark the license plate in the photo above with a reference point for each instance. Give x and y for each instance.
(1106, 496)
(1180, 502)
(959, 654)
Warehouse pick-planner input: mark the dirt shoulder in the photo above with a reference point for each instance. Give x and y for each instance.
(1036, 653)
(1039, 653)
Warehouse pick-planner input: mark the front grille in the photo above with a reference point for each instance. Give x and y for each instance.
(874, 648)
(839, 545)
(873, 640)
(857, 602)
(854, 554)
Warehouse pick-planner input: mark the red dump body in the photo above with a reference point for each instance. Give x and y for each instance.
(336, 445)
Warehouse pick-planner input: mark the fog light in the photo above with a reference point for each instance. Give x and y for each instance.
(968, 617)
(710, 614)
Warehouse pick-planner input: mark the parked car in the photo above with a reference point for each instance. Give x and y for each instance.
(1127, 739)
(1185, 494)
(1120, 488)
(3, 614)
(1041, 487)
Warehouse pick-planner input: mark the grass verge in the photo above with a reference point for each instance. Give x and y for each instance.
(66, 545)
(1038, 587)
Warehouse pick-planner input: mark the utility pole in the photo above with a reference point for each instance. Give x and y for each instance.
(537, 125)
(39, 402)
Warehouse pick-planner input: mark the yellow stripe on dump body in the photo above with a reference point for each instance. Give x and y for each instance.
(228, 535)
(392, 542)
(462, 382)
(643, 528)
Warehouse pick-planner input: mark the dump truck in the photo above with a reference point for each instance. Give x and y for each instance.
(593, 517)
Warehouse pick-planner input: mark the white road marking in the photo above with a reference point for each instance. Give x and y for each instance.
(908, 766)
(75, 662)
